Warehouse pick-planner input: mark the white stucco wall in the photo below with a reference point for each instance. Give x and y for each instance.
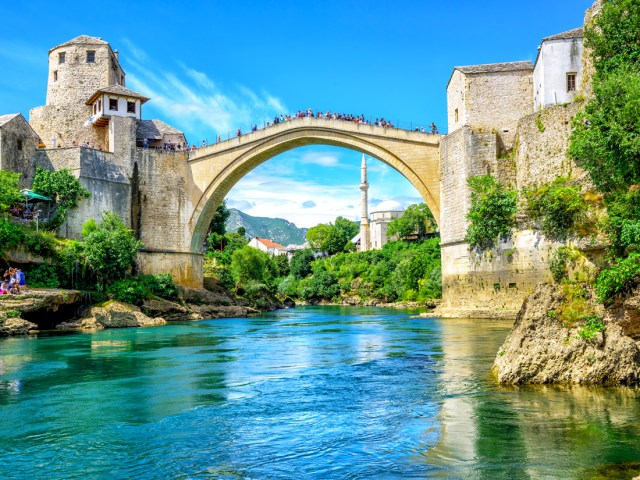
(556, 59)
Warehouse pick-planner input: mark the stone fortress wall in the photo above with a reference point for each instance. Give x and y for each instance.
(499, 280)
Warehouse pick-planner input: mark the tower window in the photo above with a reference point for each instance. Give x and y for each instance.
(113, 104)
(456, 114)
(91, 56)
(122, 80)
(61, 58)
(131, 107)
(19, 144)
(571, 82)
(55, 75)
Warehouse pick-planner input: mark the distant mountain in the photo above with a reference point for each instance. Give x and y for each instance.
(277, 229)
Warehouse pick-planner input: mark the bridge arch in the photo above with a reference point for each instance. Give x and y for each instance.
(217, 168)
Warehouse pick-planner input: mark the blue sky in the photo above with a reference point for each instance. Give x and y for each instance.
(211, 67)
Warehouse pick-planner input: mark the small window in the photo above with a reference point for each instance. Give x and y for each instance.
(19, 144)
(456, 113)
(571, 82)
(99, 105)
(95, 108)
(55, 76)
(513, 285)
(91, 56)
(122, 80)
(496, 286)
(113, 104)
(131, 107)
(61, 58)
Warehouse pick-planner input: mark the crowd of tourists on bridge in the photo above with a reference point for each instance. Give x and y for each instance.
(358, 119)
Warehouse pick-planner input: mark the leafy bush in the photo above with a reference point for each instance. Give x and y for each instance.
(619, 278)
(592, 325)
(41, 243)
(558, 263)
(11, 236)
(109, 248)
(43, 276)
(161, 285)
(492, 214)
(130, 290)
(558, 207)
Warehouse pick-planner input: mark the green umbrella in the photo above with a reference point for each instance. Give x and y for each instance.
(31, 195)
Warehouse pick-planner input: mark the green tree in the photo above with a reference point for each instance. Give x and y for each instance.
(492, 214)
(217, 228)
(300, 265)
(110, 248)
(557, 206)
(9, 190)
(332, 238)
(63, 187)
(249, 264)
(416, 219)
(606, 136)
(281, 264)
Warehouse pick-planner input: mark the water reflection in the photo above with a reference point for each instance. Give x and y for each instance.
(305, 393)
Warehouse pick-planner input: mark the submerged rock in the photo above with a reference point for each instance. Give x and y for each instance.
(116, 314)
(540, 349)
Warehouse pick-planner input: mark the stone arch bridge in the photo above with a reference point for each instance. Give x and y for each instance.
(176, 195)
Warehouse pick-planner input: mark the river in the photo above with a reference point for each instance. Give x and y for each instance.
(311, 392)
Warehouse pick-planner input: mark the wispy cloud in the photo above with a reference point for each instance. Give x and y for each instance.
(192, 101)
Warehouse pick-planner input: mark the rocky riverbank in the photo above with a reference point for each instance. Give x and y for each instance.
(541, 349)
(41, 309)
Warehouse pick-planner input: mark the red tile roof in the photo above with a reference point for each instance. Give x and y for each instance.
(269, 243)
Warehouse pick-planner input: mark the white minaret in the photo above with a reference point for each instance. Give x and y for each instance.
(364, 199)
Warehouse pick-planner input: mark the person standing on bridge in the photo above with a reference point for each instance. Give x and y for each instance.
(239, 132)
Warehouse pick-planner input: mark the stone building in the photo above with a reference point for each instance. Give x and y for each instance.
(557, 74)
(158, 134)
(381, 216)
(490, 98)
(77, 69)
(18, 143)
(496, 127)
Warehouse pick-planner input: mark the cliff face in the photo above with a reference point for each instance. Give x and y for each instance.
(540, 349)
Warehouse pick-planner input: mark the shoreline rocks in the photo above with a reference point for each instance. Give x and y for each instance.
(541, 350)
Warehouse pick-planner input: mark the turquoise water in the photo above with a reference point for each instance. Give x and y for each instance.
(313, 392)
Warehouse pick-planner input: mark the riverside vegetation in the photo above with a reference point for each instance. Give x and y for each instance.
(584, 328)
(331, 271)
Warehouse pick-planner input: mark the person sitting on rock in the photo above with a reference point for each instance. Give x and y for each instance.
(4, 289)
(14, 289)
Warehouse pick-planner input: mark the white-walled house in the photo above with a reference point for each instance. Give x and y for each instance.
(558, 70)
(269, 246)
(114, 100)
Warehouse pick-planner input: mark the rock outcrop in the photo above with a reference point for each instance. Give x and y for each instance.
(15, 326)
(116, 315)
(540, 349)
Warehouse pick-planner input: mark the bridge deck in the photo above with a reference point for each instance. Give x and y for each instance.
(319, 123)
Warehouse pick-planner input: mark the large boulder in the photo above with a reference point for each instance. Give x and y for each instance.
(16, 326)
(540, 349)
(116, 314)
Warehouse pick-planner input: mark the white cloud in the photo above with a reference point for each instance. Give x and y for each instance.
(192, 101)
(322, 159)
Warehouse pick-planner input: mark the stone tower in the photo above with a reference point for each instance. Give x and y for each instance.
(77, 69)
(364, 199)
